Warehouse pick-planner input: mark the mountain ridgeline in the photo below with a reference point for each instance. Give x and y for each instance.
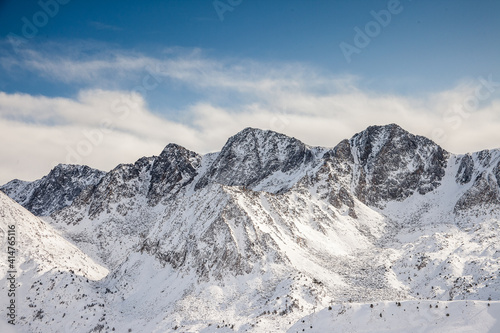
(386, 163)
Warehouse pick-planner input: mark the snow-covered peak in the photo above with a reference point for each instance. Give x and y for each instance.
(172, 148)
(175, 168)
(252, 156)
(54, 191)
(261, 143)
(393, 164)
(377, 140)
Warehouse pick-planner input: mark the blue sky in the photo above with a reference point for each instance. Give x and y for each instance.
(173, 71)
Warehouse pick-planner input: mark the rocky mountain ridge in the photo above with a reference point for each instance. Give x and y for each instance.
(54, 191)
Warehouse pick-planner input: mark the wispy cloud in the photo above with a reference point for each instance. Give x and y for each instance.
(293, 98)
(95, 64)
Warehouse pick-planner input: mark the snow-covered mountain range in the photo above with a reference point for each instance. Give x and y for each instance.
(260, 237)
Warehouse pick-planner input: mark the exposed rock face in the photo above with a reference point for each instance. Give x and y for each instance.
(394, 164)
(55, 191)
(152, 178)
(480, 171)
(378, 165)
(119, 188)
(465, 170)
(497, 173)
(335, 176)
(253, 155)
(483, 192)
(175, 168)
(224, 240)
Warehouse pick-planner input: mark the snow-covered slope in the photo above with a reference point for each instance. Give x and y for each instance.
(40, 246)
(268, 230)
(51, 273)
(404, 316)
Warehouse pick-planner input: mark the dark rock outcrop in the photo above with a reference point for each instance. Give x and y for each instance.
(54, 191)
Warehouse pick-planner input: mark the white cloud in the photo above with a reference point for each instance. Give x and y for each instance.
(39, 132)
(98, 128)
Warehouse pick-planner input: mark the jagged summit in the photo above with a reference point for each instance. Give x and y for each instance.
(175, 168)
(374, 139)
(54, 191)
(263, 139)
(172, 148)
(253, 131)
(252, 155)
(65, 166)
(150, 179)
(395, 163)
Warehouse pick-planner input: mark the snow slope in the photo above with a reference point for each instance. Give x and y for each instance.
(40, 246)
(404, 316)
(48, 269)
